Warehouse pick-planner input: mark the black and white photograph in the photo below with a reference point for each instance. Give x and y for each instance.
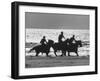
(56, 40)
(51, 40)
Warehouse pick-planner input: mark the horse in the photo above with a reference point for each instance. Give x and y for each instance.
(67, 46)
(73, 47)
(42, 48)
(59, 47)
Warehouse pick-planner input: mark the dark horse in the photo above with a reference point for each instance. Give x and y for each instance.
(74, 47)
(43, 48)
(67, 46)
(59, 47)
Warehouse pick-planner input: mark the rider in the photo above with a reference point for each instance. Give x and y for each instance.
(72, 39)
(60, 37)
(43, 41)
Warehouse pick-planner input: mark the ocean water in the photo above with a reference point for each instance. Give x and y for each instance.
(35, 35)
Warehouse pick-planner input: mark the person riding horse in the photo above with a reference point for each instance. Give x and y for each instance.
(72, 40)
(43, 41)
(68, 45)
(60, 37)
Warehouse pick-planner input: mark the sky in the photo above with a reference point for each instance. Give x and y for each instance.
(56, 21)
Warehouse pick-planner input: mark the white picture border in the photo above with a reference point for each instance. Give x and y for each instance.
(52, 70)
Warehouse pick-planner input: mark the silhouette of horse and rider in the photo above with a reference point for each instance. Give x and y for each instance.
(68, 45)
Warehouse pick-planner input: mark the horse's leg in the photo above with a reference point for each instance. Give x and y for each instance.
(42, 53)
(47, 54)
(37, 53)
(62, 53)
(65, 53)
(55, 52)
(68, 53)
(77, 53)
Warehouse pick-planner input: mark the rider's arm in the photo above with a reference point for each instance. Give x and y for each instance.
(63, 37)
(45, 41)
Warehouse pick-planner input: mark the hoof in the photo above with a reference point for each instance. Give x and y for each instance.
(61, 55)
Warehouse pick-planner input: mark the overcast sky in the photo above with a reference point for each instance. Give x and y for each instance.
(56, 21)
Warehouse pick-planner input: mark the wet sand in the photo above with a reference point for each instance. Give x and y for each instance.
(40, 61)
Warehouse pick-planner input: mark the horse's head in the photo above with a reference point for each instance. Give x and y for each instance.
(50, 42)
(79, 43)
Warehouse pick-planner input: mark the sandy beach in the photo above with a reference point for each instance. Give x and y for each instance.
(34, 62)
(34, 36)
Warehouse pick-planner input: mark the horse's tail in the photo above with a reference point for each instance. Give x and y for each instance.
(31, 49)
